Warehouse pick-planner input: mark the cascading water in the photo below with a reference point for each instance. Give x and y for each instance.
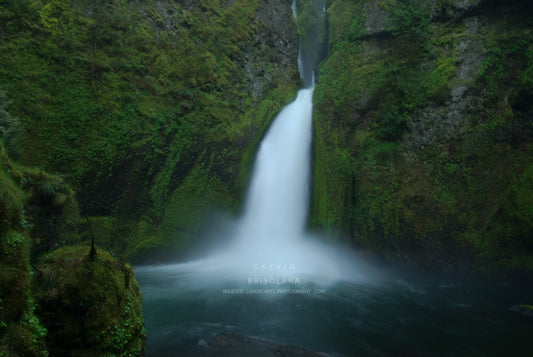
(367, 312)
(271, 237)
(270, 241)
(277, 200)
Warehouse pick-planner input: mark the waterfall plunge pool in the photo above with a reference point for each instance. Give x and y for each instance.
(274, 286)
(396, 313)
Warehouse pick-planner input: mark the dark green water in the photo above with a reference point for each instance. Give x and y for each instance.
(394, 313)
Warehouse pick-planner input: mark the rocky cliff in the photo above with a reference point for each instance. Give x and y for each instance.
(424, 132)
(147, 107)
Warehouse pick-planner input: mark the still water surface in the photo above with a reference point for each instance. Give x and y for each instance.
(396, 313)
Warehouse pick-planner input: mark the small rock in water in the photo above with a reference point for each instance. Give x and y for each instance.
(232, 344)
(526, 310)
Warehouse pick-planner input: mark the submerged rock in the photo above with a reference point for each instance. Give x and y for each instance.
(526, 310)
(232, 344)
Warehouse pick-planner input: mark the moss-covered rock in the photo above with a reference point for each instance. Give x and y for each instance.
(38, 212)
(52, 210)
(423, 135)
(21, 333)
(90, 308)
(41, 203)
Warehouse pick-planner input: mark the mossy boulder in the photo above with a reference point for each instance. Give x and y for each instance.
(90, 307)
(39, 203)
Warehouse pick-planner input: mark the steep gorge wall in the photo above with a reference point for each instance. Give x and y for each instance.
(150, 109)
(423, 132)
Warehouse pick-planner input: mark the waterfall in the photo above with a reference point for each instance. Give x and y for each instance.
(271, 237)
(270, 243)
(277, 202)
(278, 198)
(276, 208)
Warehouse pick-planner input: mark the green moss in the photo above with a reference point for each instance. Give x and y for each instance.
(102, 227)
(451, 199)
(11, 202)
(344, 18)
(523, 195)
(21, 332)
(89, 307)
(137, 95)
(409, 19)
(39, 211)
(438, 81)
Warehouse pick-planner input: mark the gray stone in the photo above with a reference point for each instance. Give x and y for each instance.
(272, 55)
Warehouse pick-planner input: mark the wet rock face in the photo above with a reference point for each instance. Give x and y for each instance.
(421, 130)
(438, 123)
(270, 59)
(454, 8)
(375, 18)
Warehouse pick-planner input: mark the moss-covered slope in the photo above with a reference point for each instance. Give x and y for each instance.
(424, 132)
(38, 213)
(143, 105)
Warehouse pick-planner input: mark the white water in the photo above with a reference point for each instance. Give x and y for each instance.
(271, 242)
(271, 239)
(270, 247)
(276, 209)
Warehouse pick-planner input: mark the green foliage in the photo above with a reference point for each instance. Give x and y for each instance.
(37, 211)
(117, 94)
(7, 122)
(21, 332)
(343, 19)
(393, 124)
(409, 18)
(15, 14)
(12, 198)
(357, 27)
(438, 80)
(492, 74)
(97, 304)
(452, 198)
(119, 337)
(523, 195)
